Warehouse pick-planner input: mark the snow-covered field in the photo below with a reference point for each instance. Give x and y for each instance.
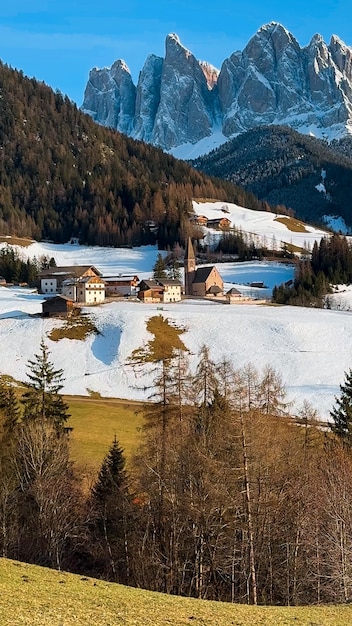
(264, 227)
(310, 349)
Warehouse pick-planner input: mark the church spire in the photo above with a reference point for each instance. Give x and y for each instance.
(189, 267)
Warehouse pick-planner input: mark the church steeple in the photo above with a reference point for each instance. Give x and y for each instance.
(189, 267)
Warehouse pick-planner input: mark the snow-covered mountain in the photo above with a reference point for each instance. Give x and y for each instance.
(186, 106)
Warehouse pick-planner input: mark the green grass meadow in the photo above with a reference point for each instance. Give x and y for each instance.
(95, 422)
(35, 596)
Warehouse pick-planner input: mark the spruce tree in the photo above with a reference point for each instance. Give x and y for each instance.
(159, 268)
(112, 505)
(112, 478)
(173, 270)
(9, 409)
(342, 412)
(42, 398)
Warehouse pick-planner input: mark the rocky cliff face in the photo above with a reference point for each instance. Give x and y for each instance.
(180, 100)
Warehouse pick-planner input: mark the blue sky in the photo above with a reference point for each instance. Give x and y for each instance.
(59, 41)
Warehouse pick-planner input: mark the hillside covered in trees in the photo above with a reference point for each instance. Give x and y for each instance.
(229, 497)
(62, 175)
(330, 264)
(284, 167)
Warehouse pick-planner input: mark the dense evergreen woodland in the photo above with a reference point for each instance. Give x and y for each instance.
(230, 497)
(62, 175)
(284, 167)
(330, 264)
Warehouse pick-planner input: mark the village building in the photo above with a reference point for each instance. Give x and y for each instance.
(234, 296)
(78, 283)
(161, 290)
(202, 281)
(199, 220)
(57, 306)
(51, 279)
(219, 223)
(121, 285)
(88, 289)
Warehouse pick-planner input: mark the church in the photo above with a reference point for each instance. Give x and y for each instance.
(202, 281)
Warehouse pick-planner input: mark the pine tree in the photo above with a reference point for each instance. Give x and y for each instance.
(42, 398)
(112, 504)
(159, 268)
(173, 269)
(9, 408)
(112, 476)
(342, 412)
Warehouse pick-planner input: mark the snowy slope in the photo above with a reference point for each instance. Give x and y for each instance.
(311, 349)
(262, 225)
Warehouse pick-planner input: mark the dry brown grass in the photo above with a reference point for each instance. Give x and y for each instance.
(16, 241)
(295, 226)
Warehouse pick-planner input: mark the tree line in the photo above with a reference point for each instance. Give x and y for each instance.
(15, 269)
(330, 264)
(231, 495)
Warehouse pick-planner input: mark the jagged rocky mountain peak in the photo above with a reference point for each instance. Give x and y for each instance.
(273, 80)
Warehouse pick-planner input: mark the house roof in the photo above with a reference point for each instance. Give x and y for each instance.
(68, 270)
(57, 297)
(149, 284)
(81, 280)
(121, 278)
(233, 292)
(169, 282)
(160, 283)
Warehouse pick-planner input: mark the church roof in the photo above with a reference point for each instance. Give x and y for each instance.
(202, 274)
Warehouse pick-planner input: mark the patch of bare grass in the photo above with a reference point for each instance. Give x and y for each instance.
(16, 241)
(295, 226)
(76, 327)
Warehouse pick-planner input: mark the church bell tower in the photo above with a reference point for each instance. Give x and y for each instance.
(189, 267)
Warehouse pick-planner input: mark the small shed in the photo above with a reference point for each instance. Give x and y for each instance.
(234, 295)
(58, 306)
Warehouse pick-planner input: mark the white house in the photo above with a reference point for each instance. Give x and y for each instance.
(52, 278)
(80, 283)
(87, 289)
(160, 290)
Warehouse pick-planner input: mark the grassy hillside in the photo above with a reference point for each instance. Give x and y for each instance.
(35, 596)
(95, 422)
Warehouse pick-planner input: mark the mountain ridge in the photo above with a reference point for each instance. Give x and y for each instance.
(273, 80)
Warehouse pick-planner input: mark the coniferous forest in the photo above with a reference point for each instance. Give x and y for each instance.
(329, 264)
(232, 495)
(63, 176)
